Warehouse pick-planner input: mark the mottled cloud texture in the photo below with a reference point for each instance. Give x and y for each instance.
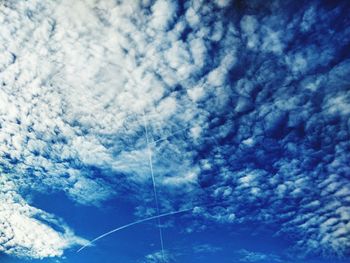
(246, 102)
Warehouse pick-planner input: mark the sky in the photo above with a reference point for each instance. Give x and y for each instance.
(156, 131)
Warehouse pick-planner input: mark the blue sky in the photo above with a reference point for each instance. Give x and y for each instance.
(220, 130)
(235, 243)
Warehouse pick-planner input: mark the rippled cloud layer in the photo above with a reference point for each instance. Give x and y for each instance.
(245, 102)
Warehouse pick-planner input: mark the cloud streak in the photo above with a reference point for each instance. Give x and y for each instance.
(132, 224)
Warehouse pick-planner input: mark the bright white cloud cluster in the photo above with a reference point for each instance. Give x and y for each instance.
(237, 107)
(29, 232)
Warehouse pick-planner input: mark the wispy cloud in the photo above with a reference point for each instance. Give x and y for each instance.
(158, 257)
(206, 248)
(244, 255)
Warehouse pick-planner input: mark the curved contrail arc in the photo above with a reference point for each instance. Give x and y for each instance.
(132, 224)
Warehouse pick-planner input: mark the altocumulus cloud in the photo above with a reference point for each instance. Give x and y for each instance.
(244, 102)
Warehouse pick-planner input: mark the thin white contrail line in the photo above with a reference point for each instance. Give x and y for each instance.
(169, 135)
(154, 188)
(132, 224)
(148, 219)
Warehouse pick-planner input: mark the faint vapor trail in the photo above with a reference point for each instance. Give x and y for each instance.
(171, 134)
(132, 224)
(154, 188)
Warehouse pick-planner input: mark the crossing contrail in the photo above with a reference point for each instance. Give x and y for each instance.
(132, 224)
(154, 188)
(171, 134)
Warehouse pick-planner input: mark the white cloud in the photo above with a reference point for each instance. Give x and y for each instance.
(29, 232)
(206, 248)
(244, 255)
(158, 257)
(223, 3)
(163, 13)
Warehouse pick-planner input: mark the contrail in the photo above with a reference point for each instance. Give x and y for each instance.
(132, 224)
(154, 188)
(171, 134)
(148, 219)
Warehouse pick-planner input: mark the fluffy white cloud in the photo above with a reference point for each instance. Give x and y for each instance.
(29, 232)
